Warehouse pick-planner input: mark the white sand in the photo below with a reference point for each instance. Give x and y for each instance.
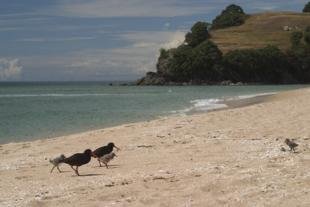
(224, 158)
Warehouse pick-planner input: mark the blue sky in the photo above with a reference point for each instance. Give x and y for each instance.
(74, 40)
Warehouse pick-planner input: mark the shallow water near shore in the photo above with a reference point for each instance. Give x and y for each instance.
(41, 110)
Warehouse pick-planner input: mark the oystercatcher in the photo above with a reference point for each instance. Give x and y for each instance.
(78, 160)
(101, 151)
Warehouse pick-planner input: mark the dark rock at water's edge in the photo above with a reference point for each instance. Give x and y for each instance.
(156, 79)
(152, 78)
(230, 83)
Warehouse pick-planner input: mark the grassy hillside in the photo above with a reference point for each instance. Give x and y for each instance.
(260, 30)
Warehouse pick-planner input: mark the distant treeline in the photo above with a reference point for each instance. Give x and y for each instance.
(199, 61)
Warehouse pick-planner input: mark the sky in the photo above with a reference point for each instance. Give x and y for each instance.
(101, 40)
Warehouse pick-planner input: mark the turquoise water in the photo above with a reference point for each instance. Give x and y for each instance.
(41, 110)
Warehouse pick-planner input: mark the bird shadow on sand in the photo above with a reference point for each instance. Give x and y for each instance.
(110, 166)
(64, 171)
(87, 175)
(113, 166)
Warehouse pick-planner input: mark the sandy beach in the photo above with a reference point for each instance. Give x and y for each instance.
(230, 157)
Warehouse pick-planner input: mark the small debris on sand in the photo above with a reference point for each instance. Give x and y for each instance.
(145, 146)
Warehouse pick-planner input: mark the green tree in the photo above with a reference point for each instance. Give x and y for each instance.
(299, 58)
(299, 61)
(206, 57)
(232, 15)
(239, 65)
(273, 65)
(163, 53)
(180, 65)
(267, 65)
(296, 38)
(307, 35)
(163, 60)
(307, 7)
(199, 33)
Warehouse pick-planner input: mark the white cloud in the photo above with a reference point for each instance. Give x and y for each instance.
(175, 40)
(135, 59)
(123, 63)
(10, 69)
(129, 8)
(151, 42)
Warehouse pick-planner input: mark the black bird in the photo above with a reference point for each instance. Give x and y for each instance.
(78, 160)
(291, 144)
(101, 151)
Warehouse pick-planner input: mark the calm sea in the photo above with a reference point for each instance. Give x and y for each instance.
(41, 110)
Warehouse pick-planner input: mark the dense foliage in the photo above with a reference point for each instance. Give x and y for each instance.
(296, 38)
(199, 33)
(233, 15)
(307, 35)
(267, 65)
(185, 63)
(307, 7)
(179, 66)
(299, 58)
(206, 59)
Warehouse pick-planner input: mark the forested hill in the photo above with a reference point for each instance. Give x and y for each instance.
(266, 48)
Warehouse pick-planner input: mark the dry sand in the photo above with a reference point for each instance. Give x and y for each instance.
(224, 158)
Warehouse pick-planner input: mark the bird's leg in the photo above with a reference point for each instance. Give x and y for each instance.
(73, 168)
(52, 169)
(106, 164)
(58, 169)
(99, 162)
(76, 171)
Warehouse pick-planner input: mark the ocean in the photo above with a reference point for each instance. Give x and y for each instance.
(42, 110)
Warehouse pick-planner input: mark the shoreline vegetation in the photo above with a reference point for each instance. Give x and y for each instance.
(227, 157)
(224, 52)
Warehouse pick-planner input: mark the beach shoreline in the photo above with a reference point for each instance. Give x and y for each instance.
(229, 104)
(226, 157)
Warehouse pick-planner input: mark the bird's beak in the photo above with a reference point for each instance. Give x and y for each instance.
(117, 148)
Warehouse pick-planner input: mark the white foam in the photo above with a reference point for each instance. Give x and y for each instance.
(250, 96)
(208, 104)
(204, 105)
